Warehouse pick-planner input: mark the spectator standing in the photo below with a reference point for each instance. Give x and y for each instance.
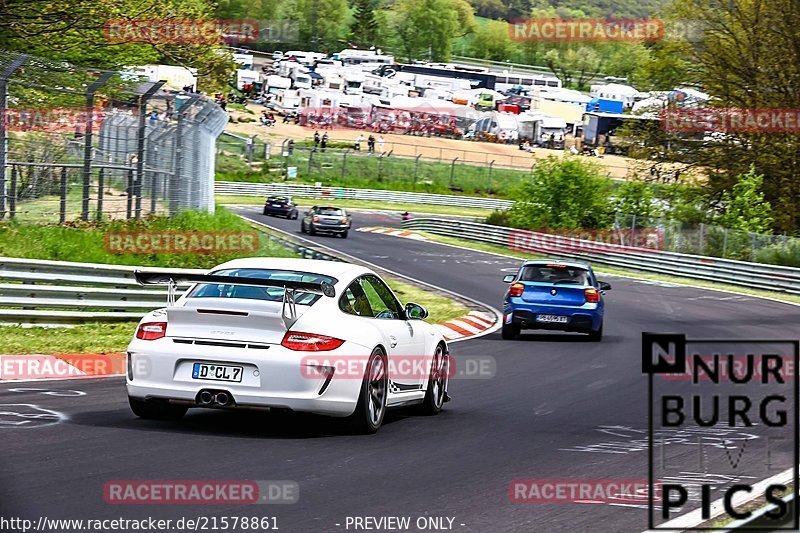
(371, 144)
(380, 144)
(316, 140)
(324, 142)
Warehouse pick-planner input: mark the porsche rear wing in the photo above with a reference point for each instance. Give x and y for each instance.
(288, 309)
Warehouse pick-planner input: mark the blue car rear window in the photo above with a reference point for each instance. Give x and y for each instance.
(569, 275)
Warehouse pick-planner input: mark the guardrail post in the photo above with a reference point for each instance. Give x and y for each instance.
(633, 231)
(4, 76)
(489, 185)
(129, 206)
(140, 138)
(702, 238)
(310, 160)
(452, 171)
(62, 216)
(87, 139)
(12, 198)
(416, 167)
(752, 246)
(725, 243)
(344, 164)
(380, 166)
(533, 167)
(101, 182)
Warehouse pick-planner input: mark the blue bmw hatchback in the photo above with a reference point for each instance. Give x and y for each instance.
(554, 295)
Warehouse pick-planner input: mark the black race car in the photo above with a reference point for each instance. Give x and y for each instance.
(281, 206)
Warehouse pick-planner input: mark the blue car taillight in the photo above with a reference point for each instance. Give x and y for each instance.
(516, 289)
(592, 296)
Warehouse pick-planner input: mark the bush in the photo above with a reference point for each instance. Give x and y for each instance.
(777, 254)
(499, 218)
(567, 193)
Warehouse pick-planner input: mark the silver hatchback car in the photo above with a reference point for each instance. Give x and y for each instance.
(325, 219)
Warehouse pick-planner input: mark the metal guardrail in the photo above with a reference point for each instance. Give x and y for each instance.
(36, 291)
(335, 193)
(740, 273)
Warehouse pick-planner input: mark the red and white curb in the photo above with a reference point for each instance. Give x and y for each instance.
(393, 232)
(471, 325)
(36, 367)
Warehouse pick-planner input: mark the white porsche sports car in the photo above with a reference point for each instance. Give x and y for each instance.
(288, 334)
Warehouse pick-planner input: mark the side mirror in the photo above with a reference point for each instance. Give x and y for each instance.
(416, 312)
(603, 286)
(509, 278)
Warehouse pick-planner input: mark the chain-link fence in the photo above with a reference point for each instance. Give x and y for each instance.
(79, 143)
(716, 241)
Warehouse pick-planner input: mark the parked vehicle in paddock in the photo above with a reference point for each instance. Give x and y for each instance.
(554, 295)
(305, 335)
(322, 219)
(281, 206)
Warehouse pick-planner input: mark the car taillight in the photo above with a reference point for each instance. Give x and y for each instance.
(309, 342)
(151, 331)
(516, 289)
(592, 296)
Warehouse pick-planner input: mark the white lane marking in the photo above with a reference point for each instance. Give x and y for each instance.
(28, 416)
(50, 392)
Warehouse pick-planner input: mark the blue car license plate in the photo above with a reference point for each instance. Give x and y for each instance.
(217, 372)
(552, 319)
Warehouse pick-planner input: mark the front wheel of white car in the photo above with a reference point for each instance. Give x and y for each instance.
(436, 393)
(156, 410)
(371, 406)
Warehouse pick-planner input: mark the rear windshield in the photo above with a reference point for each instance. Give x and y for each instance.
(273, 294)
(555, 274)
(278, 199)
(331, 211)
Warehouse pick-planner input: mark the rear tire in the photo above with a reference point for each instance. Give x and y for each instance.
(302, 227)
(294, 215)
(371, 406)
(311, 230)
(596, 336)
(343, 234)
(156, 409)
(510, 331)
(436, 393)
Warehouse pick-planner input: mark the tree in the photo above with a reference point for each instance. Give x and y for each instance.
(573, 65)
(322, 23)
(747, 58)
(744, 207)
(426, 28)
(364, 29)
(564, 193)
(636, 198)
(492, 41)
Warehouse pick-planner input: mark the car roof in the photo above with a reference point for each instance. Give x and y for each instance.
(340, 270)
(540, 262)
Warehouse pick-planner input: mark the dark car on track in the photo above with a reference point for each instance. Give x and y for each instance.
(281, 206)
(559, 295)
(324, 219)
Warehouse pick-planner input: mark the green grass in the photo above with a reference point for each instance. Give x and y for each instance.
(440, 309)
(493, 248)
(365, 204)
(85, 242)
(84, 338)
(388, 173)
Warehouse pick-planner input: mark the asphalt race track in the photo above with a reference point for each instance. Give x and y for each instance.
(555, 403)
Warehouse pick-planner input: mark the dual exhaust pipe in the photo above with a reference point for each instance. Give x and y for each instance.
(211, 398)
